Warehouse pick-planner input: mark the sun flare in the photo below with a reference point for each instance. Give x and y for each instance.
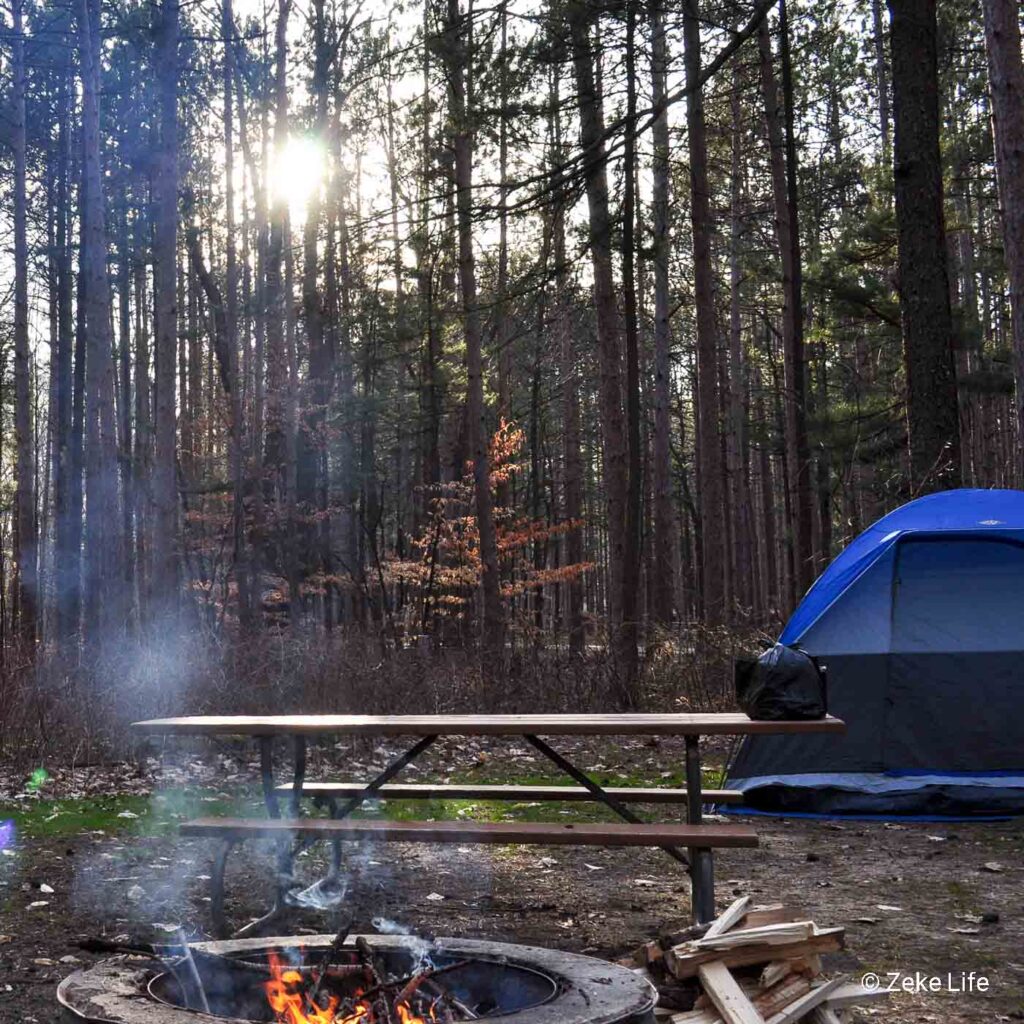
(297, 170)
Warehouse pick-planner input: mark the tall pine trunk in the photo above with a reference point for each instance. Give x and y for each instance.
(1006, 76)
(626, 653)
(663, 584)
(932, 413)
(165, 260)
(709, 444)
(782, 162)
(103, 584)
(609, 328)
(459, 56)
(25, 502)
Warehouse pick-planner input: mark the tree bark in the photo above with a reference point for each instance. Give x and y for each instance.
(779, 121)
(459, 57)
(932, 413)
(25, 501)
(613, 429)
(1006, 78)
(572, 467)
(709, 443)
(626, 655)
(165, 259)
(66, 552)
(663, 590)
(103, 585)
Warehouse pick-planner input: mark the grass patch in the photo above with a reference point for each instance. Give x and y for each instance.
(161, 813)
(143, 815)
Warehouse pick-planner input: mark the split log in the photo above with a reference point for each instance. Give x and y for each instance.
(684, 960)
(802, 1006)
(729, 999)
(769, 935)
(729, 917)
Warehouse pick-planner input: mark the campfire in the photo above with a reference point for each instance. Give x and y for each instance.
(358, 994)
(378, 979)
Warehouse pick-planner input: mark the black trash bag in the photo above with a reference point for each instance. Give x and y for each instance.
(783, 683)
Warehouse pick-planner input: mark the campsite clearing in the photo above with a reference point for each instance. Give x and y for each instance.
(912, 898)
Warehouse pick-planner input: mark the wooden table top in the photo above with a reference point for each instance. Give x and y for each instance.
(702, 724)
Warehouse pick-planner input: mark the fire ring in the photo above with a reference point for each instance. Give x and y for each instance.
(514, 984)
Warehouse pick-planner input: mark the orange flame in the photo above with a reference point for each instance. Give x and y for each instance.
(286, 994)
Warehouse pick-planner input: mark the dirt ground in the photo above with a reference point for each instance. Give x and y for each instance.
(924, 900)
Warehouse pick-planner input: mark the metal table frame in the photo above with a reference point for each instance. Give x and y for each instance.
(698, 861)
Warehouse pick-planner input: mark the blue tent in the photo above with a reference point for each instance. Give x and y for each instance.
(920, 622)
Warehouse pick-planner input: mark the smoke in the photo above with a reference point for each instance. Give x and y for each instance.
(418, 946)
(324, 894)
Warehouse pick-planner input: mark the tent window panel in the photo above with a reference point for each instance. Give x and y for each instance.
(858, 622)
(958, 595)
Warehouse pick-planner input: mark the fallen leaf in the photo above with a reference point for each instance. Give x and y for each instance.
(48, 889)
(992, 866)
(38, 904)
(434, 897)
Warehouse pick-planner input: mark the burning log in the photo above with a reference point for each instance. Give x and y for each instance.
(406, 993)
(329, 954)
(381, 1008)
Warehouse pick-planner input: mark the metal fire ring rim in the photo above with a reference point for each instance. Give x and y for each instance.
(491, 959)
(629, 997)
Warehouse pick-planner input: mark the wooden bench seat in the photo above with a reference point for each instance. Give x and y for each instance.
(417, 791)
(528, 832)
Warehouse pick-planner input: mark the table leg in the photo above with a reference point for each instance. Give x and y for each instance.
(385, 776)
(599, 794)
(267, 776)
(702, 872)
(284, 876)
(220, 862)
(300, 775)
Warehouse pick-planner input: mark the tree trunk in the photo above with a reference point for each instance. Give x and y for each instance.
(1006, 77)
(275, 455)
(25, 501)
(709, 454)
(664, 520)
(779, 120)
(626, 654)
(66, 553)
(165, 258)
(932, 413)
(572, 468)
(613, 428)
(102, 522)
(459, 57)
(739, 488)
(881, 83)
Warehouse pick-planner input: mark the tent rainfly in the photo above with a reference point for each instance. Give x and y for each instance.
(920, 622)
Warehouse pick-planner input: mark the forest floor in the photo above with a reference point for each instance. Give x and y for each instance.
(93, 852)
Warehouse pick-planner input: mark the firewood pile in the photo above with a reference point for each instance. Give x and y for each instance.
(751, 965)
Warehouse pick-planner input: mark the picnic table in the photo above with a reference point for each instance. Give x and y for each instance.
(296, 832)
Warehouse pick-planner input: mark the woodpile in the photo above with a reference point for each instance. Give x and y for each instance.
(751, 965)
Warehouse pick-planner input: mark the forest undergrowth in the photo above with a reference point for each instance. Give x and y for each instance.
(77, 706)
